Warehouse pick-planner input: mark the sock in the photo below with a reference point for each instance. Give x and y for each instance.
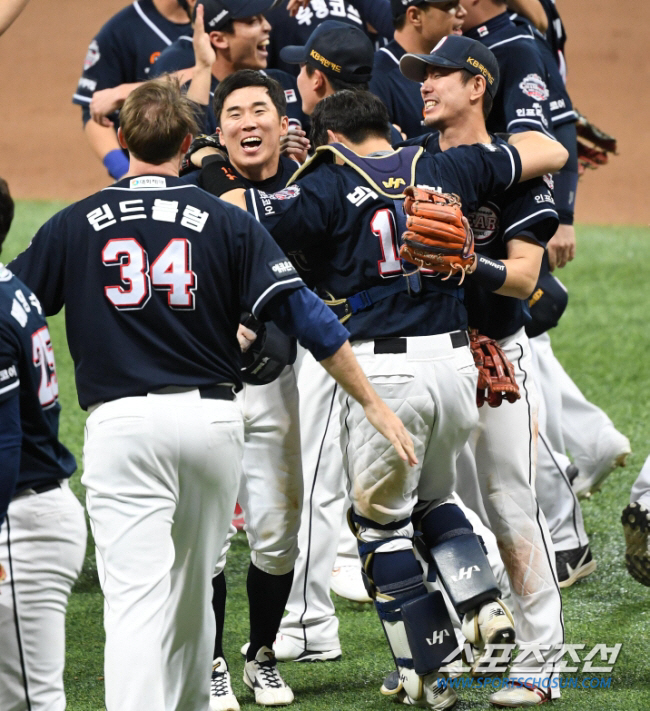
(219, 609)
(267, 599)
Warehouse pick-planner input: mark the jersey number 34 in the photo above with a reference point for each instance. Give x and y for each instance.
(171, 271)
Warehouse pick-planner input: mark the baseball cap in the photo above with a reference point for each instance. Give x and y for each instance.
(216, 13)
(454, 52)
(399, 7)
(337, 49)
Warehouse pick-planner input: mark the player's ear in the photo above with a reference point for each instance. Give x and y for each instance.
(479, 87)
(120, 139)
(284, 125)
(414, 16)
(187, 142)
(220, 135)
(220, 40)
(320, 82)
(332, 137)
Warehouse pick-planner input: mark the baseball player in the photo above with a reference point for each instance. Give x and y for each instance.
(345, 214)
(42, 525)
(251, 112)
(154, 274)
(120, 54)
(636, 526)
(419, 25)
(296, 30)
(510, 232)
(232, 37)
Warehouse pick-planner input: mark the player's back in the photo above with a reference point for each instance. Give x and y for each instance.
(27, 365)
(150, 273)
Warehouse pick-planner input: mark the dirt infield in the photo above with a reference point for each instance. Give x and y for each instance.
(43, 153)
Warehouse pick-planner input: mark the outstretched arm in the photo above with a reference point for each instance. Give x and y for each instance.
(9, 11)
(539, 154)
(533, 10)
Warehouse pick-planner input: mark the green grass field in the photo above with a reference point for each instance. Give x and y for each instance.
(603, 343)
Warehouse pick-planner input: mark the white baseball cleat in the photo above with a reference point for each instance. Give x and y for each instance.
(346, 581)
(289, 649)
(492, 624)
(636, 526)
(613, 449)
(517, 694)
(222, 697)
(262, 676)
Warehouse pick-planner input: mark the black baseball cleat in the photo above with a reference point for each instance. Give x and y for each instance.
(573, 565)
(636, 526)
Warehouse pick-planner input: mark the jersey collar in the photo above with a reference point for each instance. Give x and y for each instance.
(490, 27)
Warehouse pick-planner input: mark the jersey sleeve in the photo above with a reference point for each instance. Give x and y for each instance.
(530, 212)
(9, 359)
(42, 265)
(523, 88)
(103, 65)
(378, 14)
(299, 215)
(264, 271)
(481, 170)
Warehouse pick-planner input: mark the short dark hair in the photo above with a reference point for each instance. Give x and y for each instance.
(355, 114)
(242, 79)
(336, 83)
(6, 211)
(465, 77)
(155, 118)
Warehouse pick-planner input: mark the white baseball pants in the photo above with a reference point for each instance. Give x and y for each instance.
(42, 548)
(162, 474)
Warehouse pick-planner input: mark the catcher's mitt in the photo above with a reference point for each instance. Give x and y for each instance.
(201, 140)
(438, 237)
(496, 375)
(594, 145)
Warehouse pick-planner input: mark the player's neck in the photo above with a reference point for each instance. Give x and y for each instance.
(172, 11)
(411, 41)
(138, 167)
(223, 67)
(374, 144)
(262, 172)
(462, 134)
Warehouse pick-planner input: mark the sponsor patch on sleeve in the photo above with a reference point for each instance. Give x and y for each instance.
(282, 268)
(92, 55)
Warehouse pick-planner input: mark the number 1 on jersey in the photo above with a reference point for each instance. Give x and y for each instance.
(383, 225)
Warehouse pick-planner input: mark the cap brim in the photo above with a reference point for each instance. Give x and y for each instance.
(248, 8)
(414, 66)
(293, 54)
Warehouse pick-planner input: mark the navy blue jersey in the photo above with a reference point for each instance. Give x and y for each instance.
(296, 30)
(400, 95)
(154, 274)
(286, 168)
(27, 370)
(525, 211)
(561, 107)
(125, 49)
(342, 230)
(555, 34)
(522, 99)
(179, 55)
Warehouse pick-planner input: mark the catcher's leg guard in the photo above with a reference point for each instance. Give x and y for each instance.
(417, 624)
(459, 558)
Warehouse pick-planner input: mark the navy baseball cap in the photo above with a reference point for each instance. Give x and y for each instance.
(337, 49)
(454, 52)
(399, 7)
(216, 13)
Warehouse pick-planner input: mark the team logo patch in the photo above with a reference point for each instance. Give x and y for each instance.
(282, 268)
(484, 223)
(290, 96)
(287, 194)
(533, 85)
(548, 179)
(393, 183)
(92, 55)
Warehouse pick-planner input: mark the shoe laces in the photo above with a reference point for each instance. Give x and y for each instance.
(220, 683)
(270, 675)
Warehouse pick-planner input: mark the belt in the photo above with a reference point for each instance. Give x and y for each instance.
(38, 489)
(398, 345)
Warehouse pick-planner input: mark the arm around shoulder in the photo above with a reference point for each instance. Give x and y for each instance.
(538, 153)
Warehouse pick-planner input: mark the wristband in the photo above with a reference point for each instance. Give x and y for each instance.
(116, 163)
(489, 273)
(565, 184)
(219, 177)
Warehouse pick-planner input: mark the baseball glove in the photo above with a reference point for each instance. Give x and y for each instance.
(496, 375)
(200, 141)
(437, 235)
(594, 145)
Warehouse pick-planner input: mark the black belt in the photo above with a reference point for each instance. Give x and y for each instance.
(398, 345)
(217, 392)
